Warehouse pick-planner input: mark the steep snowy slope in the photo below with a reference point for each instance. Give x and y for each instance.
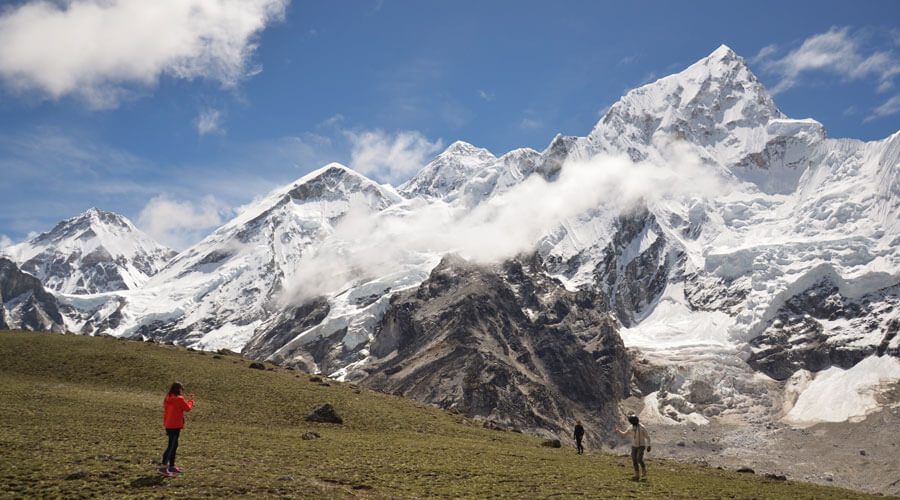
(217, 293)
(94, 252)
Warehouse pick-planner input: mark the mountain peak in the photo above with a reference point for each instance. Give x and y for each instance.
(93, 252)
(723, 52)
(448, 170)
(463, 147)
(703, 104)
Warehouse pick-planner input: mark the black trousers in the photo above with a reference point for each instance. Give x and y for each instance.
(578, 444)
(169, 454)
(637, 458)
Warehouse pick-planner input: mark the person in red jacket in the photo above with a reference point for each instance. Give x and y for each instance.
(174, 407)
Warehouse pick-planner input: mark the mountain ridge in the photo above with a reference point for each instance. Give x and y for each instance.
(308, 274)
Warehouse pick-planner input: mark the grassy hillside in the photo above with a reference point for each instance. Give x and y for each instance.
(82, 417)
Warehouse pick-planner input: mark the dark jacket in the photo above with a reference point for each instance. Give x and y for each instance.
(579, 432)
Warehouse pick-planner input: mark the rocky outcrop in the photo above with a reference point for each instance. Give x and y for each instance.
(637, 264)
(822, 327)
(502, 343)
(26, 305)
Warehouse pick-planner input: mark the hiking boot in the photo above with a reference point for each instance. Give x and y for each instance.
(164, 471)
(176, 470)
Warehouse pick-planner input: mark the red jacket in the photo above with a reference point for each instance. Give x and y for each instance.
(175, 406)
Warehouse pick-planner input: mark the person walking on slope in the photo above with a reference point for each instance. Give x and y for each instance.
(640, 439)
(174, 407)
(579, 435)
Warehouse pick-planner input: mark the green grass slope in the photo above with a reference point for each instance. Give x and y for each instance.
(82, 417)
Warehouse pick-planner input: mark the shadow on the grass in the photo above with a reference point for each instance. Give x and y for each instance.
(147, 481)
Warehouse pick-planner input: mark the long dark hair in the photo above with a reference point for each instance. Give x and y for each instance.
(633, 419)
(175, 390)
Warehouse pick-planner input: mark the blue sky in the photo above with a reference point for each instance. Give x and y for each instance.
(175, 113)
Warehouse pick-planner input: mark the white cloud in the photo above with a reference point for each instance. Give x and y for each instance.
(837, 51)
(102, 50)
(391, 158)
(209, 121)
(891, 107)
(178, 224)
(487, 96)
(5, 241)
(331, 122)
(764, 53)
(529, 124)
(365, 245)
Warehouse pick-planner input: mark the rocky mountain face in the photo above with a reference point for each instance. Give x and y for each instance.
(24, 303)
(94, 252)
(735, 252)
(505, 343)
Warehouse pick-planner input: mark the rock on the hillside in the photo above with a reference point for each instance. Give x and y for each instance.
(325, 413)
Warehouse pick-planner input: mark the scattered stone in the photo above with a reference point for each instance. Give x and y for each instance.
(680, 443)
(257, 366)
(315, 379)
(357, 391)
(552, 443)
(747, 470)
(104, 457)
(310, 435)
(217, 356)
(325, 413)
(76, 475)
(776, 477)
(286, 478)
(863, 453)
(325, 384)
(494, 426)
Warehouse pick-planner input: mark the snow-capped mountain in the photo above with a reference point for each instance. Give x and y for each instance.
(737, 252)
(94, 252)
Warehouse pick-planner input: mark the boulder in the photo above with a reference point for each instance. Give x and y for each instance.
(325, 413)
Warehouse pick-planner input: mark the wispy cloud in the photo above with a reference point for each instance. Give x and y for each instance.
(487, 96)
(891, 107)
(390, 157)
(530, 124)
(209, 121)
(838, 51)
(179, 223)
(763, 54)
(51, 47)
(375, 244)
(5, 241)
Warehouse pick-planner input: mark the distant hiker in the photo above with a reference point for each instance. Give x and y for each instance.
(640, 439)
(579, 434)
(174, 407)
